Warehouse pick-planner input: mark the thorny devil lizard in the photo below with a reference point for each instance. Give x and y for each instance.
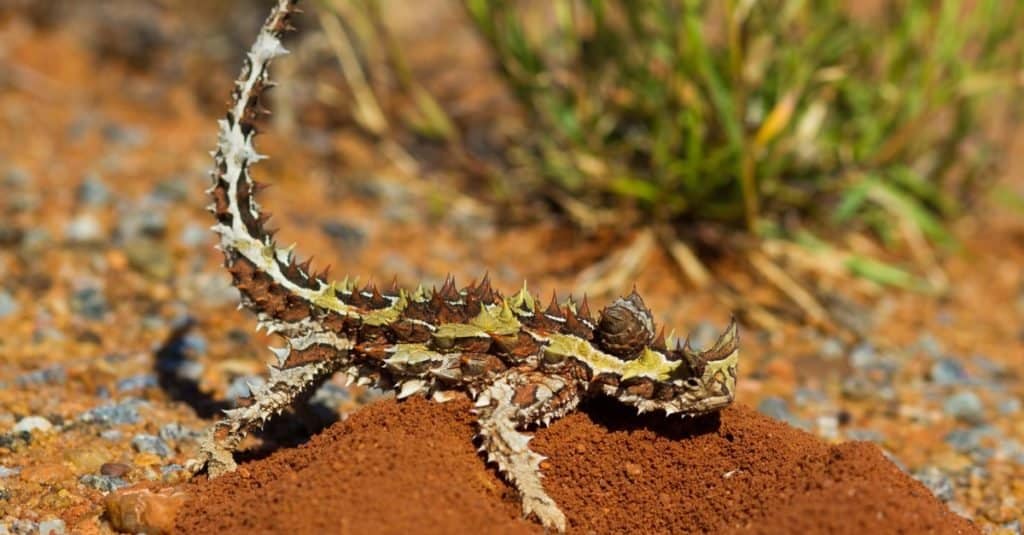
(522, 366)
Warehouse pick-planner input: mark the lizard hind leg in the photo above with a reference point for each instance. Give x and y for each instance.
(516, 400)
(284, 387)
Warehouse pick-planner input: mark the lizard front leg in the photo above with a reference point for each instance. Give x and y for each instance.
(514, 401)
(284, 387)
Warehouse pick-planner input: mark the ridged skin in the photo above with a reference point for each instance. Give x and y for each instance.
(522, 365)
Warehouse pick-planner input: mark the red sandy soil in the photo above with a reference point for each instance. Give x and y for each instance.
(411, 467)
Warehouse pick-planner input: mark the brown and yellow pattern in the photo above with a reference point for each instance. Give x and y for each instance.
(523, 365)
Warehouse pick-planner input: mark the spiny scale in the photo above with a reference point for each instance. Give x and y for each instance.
(522, 366)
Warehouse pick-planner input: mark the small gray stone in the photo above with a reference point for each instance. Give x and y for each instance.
(24, 527)
(176, 432)
(8, 472)
(83, 229)
(170, 469)
(112, 435)
(16, 176)
(54, 526)
(151, 444)
(939, 483)
(863, 355)
(124, 412)
(930, 346)
(137, 382)
(965, 406)
(194, 235)
(832, 348)
(92, 191)
(55, 374)
(344, 234)
(35, 239)
(89, 302)
(947, 371)
(103, 483)
(1013, 527)
(8, 305)
(32, 424)
(1009, 406)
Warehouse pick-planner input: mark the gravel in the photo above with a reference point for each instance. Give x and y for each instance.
(965, 406)
(103, 483)
(151, 444)
(31, 424)
(123, 412)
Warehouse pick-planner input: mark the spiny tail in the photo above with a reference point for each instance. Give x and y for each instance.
(271, 282)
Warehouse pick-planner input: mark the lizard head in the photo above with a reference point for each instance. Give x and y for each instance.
(655, 377)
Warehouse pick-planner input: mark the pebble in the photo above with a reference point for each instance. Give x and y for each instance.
(344, 234)
(832, 348)
(23, 527)
(8, 305)
(1009, 406)
(176, 432)
(151, 444)
(89, 302)
(55, 374)
(92, 191)
(938, 482)
(172, 468)
(124, 412)
(930, 346)
(8, 472)
(194, 235)
(112, 435)
(103, 483)
(863, 355)
(137, 382)
(30, 424)
(35, 239)
(947, 371)
(142, 510)
(965, 406)
(115, 469)
(83, 229)
(54, 526)
(16, 176)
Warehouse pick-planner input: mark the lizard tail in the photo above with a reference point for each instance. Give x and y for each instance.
(272, 283)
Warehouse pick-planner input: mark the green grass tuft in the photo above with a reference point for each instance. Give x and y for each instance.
(741, 112)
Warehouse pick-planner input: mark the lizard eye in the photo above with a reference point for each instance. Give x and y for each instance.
(692, 383)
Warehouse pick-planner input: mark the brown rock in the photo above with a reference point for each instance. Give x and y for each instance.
(115, 469)
(144, 509)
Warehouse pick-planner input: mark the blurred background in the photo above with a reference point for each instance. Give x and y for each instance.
(845, 177)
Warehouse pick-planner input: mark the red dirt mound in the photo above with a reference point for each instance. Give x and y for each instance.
(411, 467)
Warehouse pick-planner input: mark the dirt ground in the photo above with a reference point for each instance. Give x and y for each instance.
(105, 256)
